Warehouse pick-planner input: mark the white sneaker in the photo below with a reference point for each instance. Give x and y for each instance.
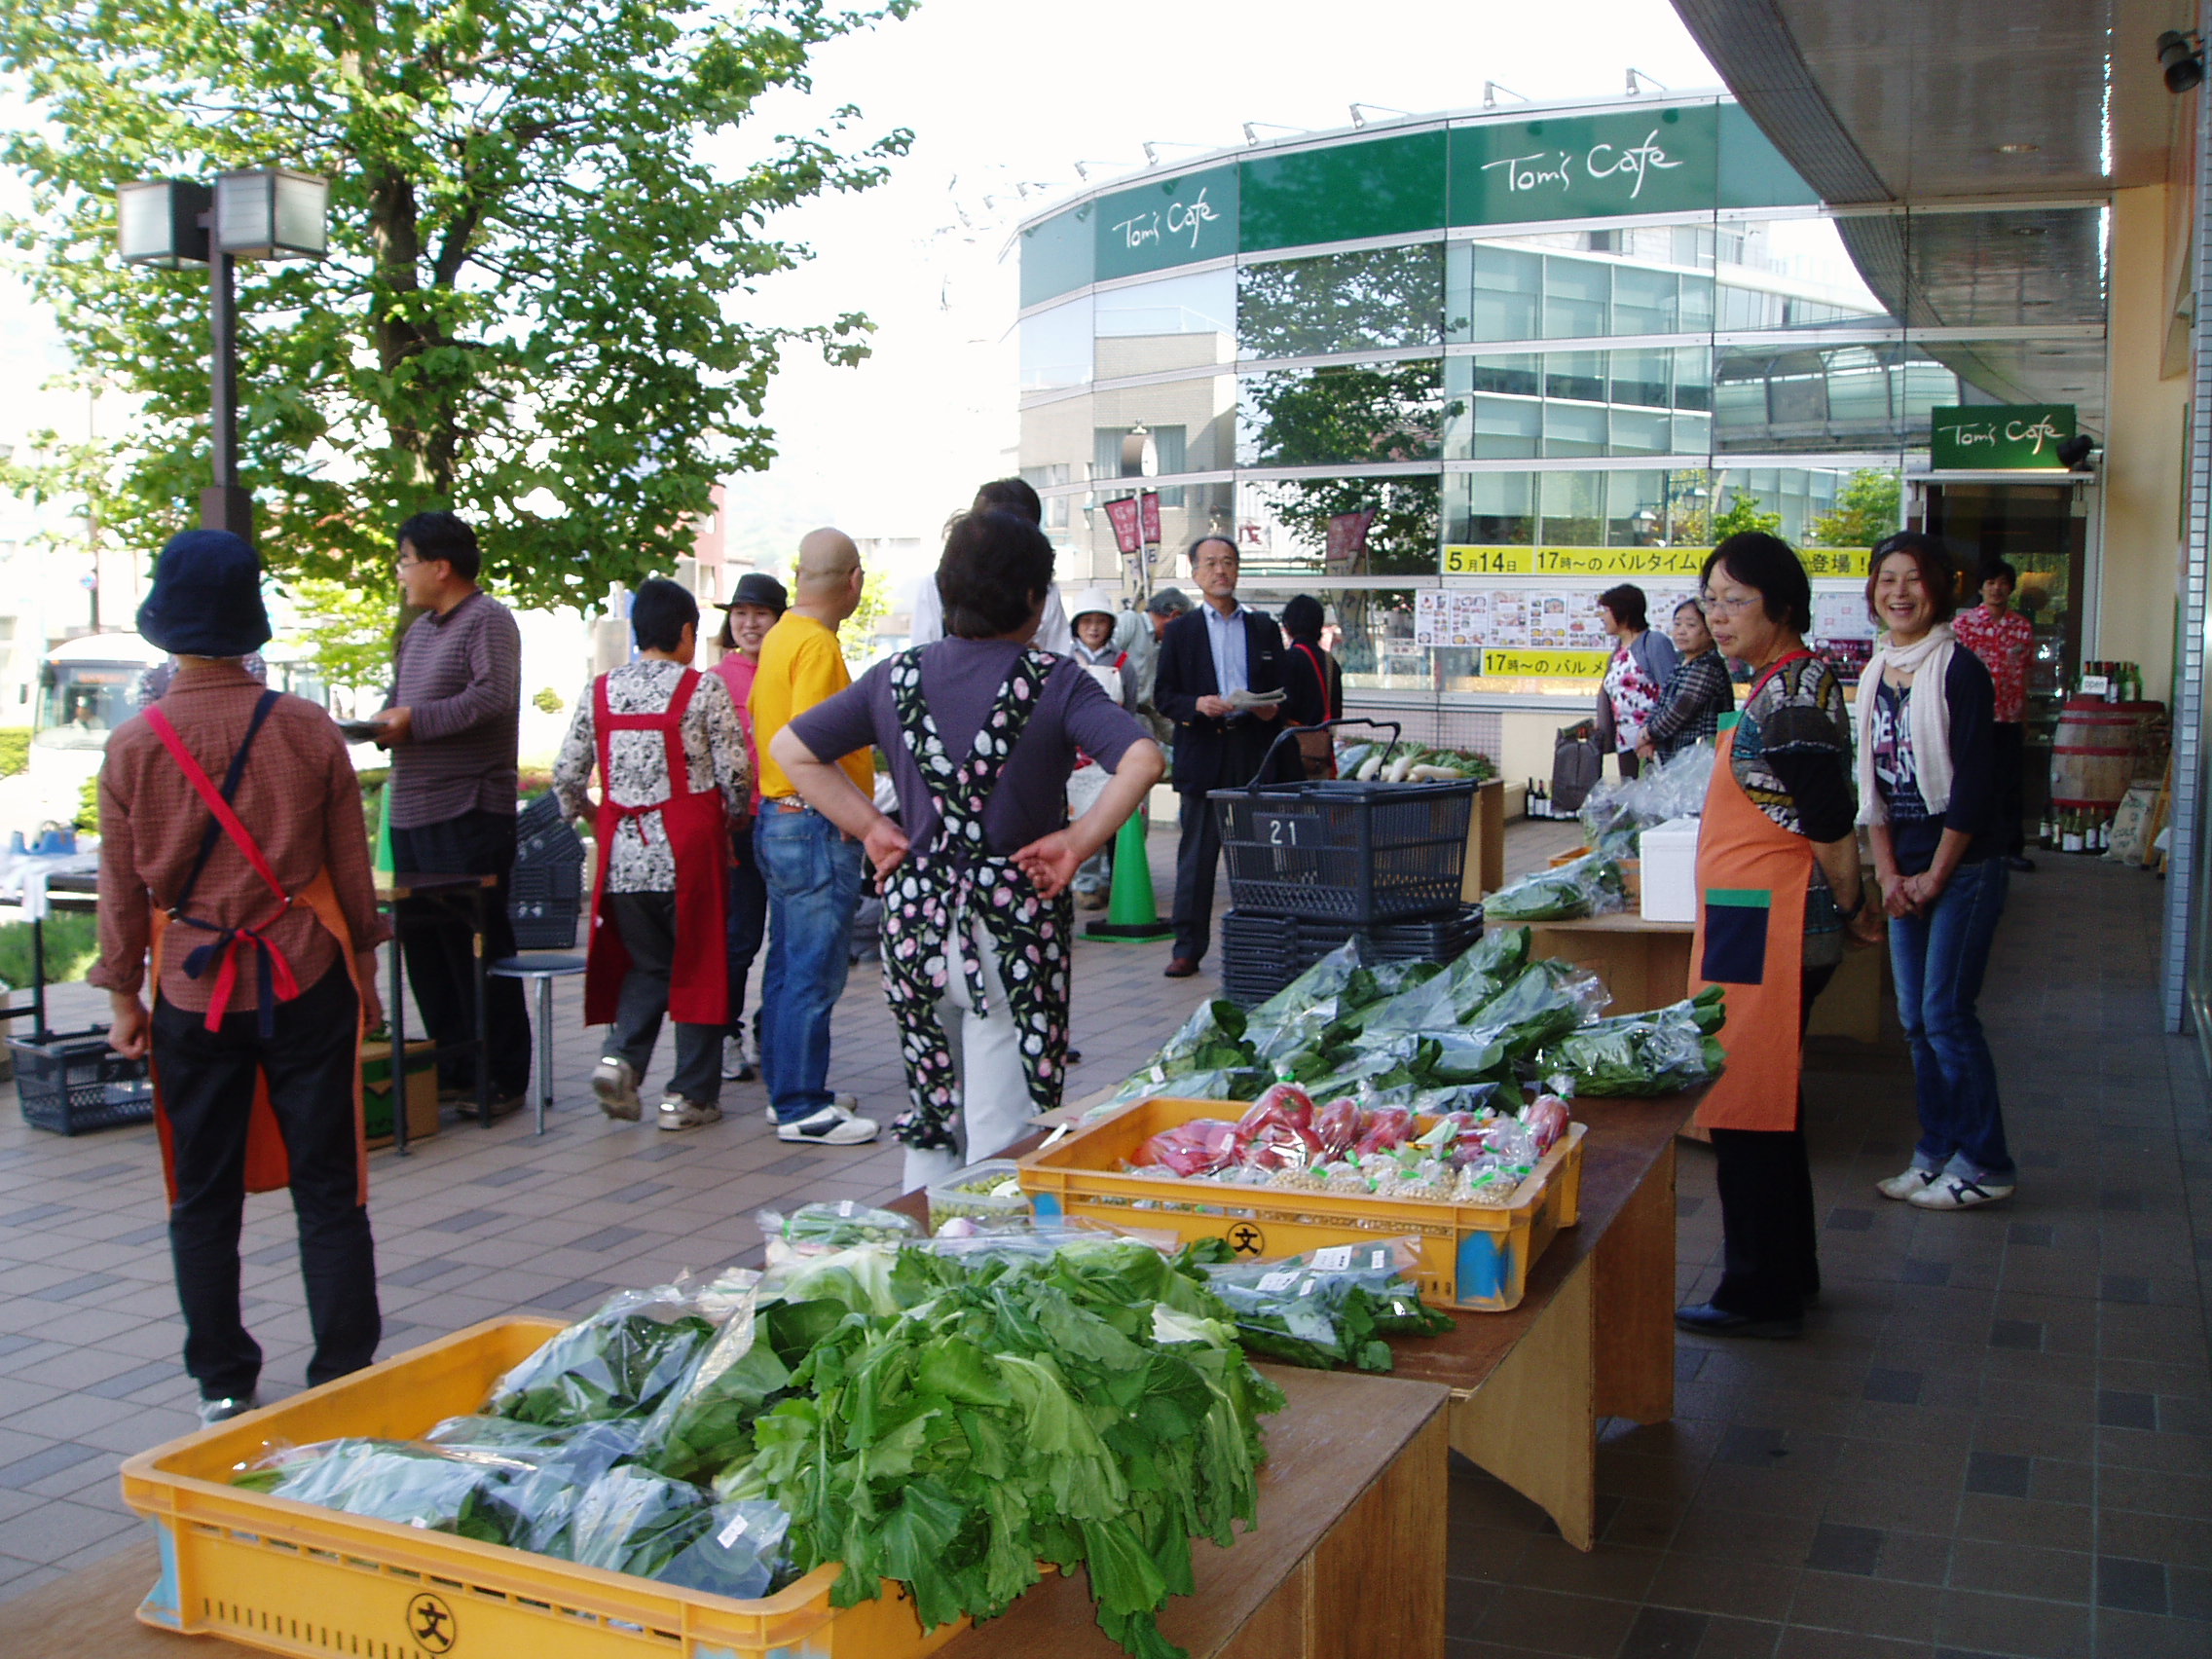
(737, 1064)
(1957, 1193)
(1903, 1187)
(678, 1113)
(847, 1102)
(615, 1081)
(832, 1125)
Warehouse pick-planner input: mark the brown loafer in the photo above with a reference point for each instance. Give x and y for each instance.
(1181, 968)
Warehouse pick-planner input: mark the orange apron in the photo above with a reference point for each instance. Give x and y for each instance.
(268, 1165)
(1751, 880)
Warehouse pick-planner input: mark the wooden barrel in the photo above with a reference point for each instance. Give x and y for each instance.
(2092, 753)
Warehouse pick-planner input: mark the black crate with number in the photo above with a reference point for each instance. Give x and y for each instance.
(74, 1082)
(1338, 849)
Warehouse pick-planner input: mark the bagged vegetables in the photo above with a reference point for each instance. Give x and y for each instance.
(1659, 1052)
(618, 1363)
(1589, 886)
(1329, 1306)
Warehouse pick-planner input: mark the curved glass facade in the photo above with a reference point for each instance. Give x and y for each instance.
(1525, 355)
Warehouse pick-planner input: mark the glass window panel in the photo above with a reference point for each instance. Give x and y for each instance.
(1351, 416)
(1640, 377)
(1505, 293)
(1772, 399)
(1577, 295)
(1693, 377)
(1518, 376)
(1202, 304)
(1635, 510)
(2012, 270)
(1574, 509)
(1367, 301)
(1693, 434)
(2005, 371)
(1490, 510)
(1055, 347)
(1826, 264)
(1644, 301)
(1578, 374)
(1573, 429)
(1638, 432)
(1697, 313)
(1506, 428)
(1202, 409)
(1283, 526)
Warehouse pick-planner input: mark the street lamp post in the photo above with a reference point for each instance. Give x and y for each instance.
(257, 213)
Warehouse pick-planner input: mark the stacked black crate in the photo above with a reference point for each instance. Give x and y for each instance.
(1314, 864)
(545, 896)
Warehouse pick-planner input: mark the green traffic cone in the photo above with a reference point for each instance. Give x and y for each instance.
(1131, 916)
(382, 866)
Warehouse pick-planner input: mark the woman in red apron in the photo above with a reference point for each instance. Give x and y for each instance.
(1779, 887)
(672, 766)
(1314, 684)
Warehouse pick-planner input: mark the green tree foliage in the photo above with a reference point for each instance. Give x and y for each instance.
(1744, 513)
(348, 630)
(532, 311)
(1866, 511)
(856, 635)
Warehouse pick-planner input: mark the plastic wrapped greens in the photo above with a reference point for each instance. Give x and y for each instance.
(432, 1487)
(1546, 1000)
(706, 1423)
(618, 1363)
(1588, 886)
(836, 1226)
(740, 1553)
(1660, 1053)
(631, 1520)
(1329, 1306)
(529, 1495)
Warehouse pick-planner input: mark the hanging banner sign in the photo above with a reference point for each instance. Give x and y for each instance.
(1148, 513)
(1347, 540)
(2010, 437)
(1123, 515)
(1544, 665)
(1683, 562)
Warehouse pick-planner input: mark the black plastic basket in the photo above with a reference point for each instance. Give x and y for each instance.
(73, 1082)
(535, 883)
(1335, 849)
(1260, 954)
(542, 836)
(545, 924)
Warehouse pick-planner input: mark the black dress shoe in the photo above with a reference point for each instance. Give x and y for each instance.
(1706, 1320)
(1181, 966)
(2022, 862)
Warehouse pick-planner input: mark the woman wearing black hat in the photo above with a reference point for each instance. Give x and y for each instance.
(753, 609)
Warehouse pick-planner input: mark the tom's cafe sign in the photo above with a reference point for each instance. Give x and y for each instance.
(1999, 437)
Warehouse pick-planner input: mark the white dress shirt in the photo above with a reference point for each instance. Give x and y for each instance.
(1224, 635)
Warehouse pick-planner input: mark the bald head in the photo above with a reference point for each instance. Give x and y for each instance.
(828, 585)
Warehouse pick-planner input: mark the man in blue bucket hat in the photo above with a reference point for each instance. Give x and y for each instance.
(262, 943)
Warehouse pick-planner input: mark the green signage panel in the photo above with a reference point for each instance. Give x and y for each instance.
(1586, 167)
(1999, 437)
(1753, 173)
(1059, 255)
(1385, 187)
(1173, 221)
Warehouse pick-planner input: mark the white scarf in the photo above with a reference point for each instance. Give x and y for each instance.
(1928, 720)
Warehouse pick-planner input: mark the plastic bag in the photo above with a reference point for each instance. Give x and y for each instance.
(1198, 1147)
(740, 1553)
(430, 1486)
(618, 1363)
(529, 1494)
(705, 1425)
(1331, 1306)
(835, 1226)
(1673, 788)
(1588, 886)
(631, 1520)
(1659, 1052)
(1546, 1000)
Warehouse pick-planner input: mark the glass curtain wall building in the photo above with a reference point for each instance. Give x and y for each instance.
(1456, 375)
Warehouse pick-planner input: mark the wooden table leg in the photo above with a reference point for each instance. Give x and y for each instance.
(1634, 1315)
(1534, 1423)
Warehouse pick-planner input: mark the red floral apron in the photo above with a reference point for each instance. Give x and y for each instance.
(698, 986)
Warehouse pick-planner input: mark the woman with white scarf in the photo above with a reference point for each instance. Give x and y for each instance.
(1928, 796)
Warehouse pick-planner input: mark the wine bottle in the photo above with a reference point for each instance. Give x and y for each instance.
(2045, 831)
(2070, 838)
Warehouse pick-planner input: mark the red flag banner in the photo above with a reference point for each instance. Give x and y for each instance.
(1149, 510)
(1347, 539)
(1123, 514)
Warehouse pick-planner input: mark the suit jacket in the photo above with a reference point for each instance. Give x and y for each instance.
(1213, 752)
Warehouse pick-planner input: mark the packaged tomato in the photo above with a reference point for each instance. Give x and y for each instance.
(1390, 1126)
(1198, 1147)
(1284, 1103)
(1335, 1127)
(1282, 1146)
(1547, 1122)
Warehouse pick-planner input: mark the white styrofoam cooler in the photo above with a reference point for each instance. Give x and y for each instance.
(1668, 852)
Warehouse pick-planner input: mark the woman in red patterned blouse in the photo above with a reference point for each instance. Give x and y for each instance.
(2004, 640)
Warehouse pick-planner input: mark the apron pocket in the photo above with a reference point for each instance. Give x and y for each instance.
(1735, 936)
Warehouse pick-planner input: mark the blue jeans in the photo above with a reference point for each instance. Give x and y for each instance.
(813, 877)
(1938, 958)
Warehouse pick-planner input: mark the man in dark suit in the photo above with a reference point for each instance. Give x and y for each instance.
(1216, 649)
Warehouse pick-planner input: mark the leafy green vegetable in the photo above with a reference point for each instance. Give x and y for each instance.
(618, 1363)
(1583, 887)
(841, 1225)
(1325, 1308)
(1660, 1053)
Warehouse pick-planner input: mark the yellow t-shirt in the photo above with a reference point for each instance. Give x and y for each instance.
(800, 666)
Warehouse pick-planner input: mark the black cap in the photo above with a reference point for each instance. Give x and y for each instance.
(757, 587)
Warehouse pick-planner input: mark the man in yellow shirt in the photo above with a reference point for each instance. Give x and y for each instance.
(811, 868)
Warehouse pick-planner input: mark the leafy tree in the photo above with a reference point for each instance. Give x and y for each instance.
(856, 635)
(1866, 511)
(532, 309)
(348, 630)
(1743, 513)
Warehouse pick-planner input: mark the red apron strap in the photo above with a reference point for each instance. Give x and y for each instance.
(197, 776)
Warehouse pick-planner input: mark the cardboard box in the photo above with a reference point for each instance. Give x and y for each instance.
(1669, 871)
(421, 1090)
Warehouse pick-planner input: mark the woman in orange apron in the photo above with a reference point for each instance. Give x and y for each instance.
(1778, 885)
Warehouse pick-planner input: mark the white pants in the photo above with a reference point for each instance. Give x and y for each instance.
(995, 1107)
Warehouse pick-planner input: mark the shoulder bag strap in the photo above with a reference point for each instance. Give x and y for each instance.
(223, 818)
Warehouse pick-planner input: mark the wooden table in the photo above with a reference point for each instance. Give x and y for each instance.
(1348, 1560)
(1485, 869)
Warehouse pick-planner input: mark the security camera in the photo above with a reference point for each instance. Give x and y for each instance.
(2181, 57)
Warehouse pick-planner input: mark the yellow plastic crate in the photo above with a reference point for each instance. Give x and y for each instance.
(1472, 1256)
(296, 1578)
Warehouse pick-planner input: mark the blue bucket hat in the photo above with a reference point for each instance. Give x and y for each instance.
(206, 600)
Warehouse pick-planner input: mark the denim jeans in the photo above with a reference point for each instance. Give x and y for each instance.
(812, 877)
(1938, 958)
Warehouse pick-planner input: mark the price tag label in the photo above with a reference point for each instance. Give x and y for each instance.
(1333, 1258)
(1379, 1258)
(1275, 1284)
(731, 1534)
